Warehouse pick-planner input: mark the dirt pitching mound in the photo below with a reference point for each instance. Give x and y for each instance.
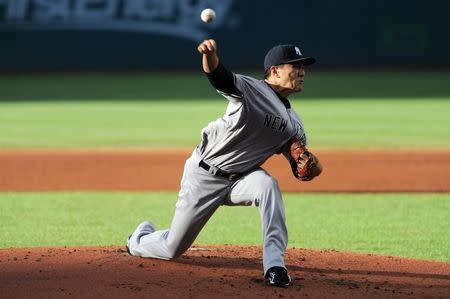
(214, 272)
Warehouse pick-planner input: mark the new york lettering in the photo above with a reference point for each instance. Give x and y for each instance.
(275, 122)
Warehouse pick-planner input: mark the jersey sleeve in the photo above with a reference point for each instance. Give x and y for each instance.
(224, 82)
(244, 86)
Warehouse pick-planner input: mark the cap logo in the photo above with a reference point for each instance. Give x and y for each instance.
(297, 50)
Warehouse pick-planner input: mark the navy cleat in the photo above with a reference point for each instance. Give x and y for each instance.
(278, 277)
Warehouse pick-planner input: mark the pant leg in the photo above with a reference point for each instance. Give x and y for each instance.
(200, 195)
(261, 190)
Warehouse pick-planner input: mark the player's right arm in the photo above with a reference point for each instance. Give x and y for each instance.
(219, 77)
(210, 60)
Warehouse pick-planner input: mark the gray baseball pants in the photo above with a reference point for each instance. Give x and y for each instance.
(200, 196)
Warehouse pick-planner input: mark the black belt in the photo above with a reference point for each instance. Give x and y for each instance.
(217, 171)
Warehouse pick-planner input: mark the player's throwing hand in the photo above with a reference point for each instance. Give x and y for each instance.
(210, 60)
(207, 47)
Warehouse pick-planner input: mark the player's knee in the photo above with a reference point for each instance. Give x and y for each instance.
(174, 253)
(267, 188)
(267, 192)
(268, 185)
(171, 255)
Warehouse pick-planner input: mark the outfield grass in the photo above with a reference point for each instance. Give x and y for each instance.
(340, 109)
(194, 85)
(410, 225)
(330, 123)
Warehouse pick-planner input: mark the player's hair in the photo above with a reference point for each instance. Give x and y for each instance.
(267, 74)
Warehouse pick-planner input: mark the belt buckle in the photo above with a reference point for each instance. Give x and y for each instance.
(233, 176)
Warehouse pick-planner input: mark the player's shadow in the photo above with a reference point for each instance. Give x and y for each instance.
(256, 264)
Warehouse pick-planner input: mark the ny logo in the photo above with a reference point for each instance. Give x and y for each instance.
(297, 50)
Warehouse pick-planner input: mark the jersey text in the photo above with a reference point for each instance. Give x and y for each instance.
(275, 122)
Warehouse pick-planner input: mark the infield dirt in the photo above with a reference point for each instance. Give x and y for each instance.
(106, 170)
(216, 271)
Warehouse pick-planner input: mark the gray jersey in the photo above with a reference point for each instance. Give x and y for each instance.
(255, 126)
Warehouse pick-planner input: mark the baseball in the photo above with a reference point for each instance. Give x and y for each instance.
(208, 15)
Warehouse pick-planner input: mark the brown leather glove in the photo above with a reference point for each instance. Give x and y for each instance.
(305, 165)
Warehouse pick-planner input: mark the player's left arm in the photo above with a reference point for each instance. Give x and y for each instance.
(304, 164)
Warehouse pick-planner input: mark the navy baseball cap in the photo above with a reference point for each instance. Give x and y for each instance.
(282, 54)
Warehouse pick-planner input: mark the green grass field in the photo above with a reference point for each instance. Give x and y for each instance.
(194, 85)
(354, 123)
(413, 225)
(340, 110)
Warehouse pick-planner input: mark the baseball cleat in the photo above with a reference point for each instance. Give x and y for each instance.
(127, 246)
(278, 277)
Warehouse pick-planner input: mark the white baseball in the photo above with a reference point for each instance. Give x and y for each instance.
(208, 15)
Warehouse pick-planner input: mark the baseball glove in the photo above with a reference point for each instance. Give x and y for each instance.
(305, 165)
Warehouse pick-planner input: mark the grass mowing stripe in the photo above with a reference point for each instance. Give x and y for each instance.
(192, 85)
(331, 123)
(410, 225)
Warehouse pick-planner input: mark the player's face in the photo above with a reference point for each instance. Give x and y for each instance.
(292, 76)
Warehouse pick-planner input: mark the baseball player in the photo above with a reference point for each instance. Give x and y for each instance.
(224, 169)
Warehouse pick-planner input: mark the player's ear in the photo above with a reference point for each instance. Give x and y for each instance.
(274, 71)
